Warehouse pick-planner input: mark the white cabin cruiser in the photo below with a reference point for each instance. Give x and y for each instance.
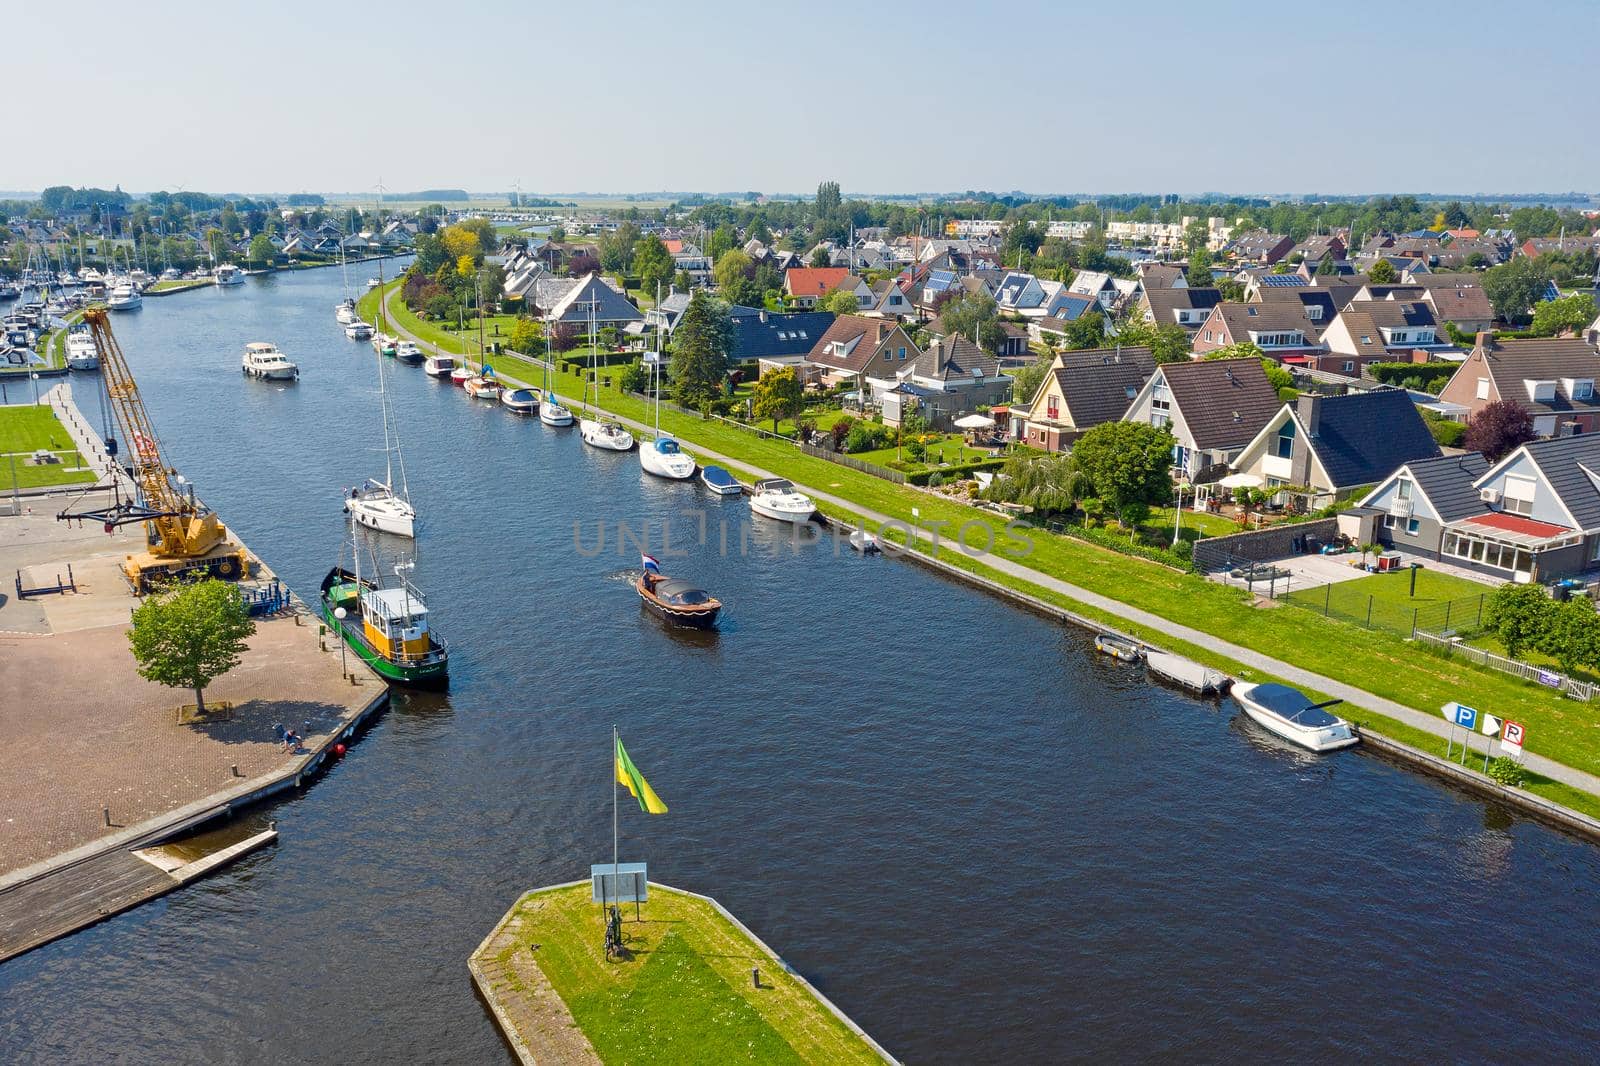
(228, 274)
(602, 434)
(777, 498)
(358, 331)
(81, 352)
(262, 360)
(124, 297)
(1291, 715)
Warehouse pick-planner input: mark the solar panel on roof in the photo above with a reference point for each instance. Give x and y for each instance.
(1282, 281)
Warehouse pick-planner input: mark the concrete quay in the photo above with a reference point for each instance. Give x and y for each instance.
(107, 763)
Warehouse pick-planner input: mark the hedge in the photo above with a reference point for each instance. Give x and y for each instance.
(955, 471)
(580, 363)
(1395, 373)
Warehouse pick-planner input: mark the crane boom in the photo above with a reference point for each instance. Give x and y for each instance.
(182, 535)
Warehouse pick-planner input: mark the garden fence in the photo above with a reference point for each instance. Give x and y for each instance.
(1451, 646)
(855, 464)
(1457, 616)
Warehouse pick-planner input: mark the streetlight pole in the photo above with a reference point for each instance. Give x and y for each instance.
(340, 613)
(1177, 522)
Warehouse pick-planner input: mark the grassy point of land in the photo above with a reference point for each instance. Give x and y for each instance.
(684, 995)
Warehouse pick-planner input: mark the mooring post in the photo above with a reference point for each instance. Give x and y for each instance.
(755, 976)
(106, 812)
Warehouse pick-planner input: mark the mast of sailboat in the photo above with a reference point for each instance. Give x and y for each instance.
(656, 376)
(479, 281)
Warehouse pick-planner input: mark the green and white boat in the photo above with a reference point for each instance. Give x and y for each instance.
(388, 628)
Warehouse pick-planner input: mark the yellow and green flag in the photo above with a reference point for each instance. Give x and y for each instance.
(629, 775)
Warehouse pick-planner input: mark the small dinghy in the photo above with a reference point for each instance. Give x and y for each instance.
(1120, 648)
(865, 543)
(520, 401)
(720, 481)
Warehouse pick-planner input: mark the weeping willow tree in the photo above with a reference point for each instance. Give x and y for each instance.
(1050, 484)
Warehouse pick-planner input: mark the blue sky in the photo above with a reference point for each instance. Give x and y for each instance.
(1282, 97)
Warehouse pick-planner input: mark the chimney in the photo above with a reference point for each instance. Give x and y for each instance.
(1309, 407)
(940, 357)
(1485, 338)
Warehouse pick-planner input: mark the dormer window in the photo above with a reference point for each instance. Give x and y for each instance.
(1578, 388)
(1540, 391)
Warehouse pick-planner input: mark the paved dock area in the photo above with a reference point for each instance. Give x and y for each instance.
(105, 761)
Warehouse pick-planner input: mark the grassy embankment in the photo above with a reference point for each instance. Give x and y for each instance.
(685, 994)
(1383, 663)
(28, 429)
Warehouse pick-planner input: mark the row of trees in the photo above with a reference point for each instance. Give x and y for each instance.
(1524, 617)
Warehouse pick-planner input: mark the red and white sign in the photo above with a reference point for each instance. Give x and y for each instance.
(1511, 738)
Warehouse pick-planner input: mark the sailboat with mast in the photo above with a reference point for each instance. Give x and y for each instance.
(345, 311)
(662, 456)
(597, 430)
(551, 412)
(376, 505)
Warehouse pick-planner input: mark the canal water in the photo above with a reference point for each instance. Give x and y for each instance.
(984, 843)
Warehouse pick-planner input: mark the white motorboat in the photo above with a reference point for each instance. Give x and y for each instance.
(172, 274)
(228, 274)
(81, 352)
(373, 283)
(345, 312)
(520, 401)
(438, 366)
(262, 360)
(124, 297)
(1290, 714)
(603, 434)
(552, 413)
(377, 506)
(777, 498)
(358, 331)
(720, 481)
(864, 542)
(407, 352)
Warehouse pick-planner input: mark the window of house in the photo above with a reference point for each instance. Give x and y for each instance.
(1412, 526)
(1483, 388)
(1365, 339)
(1349, 367)
(1284, 447)
(1050, 408)
(1518, 494)
(902, 353)
(1208, 336)
(1583, 390)
(1402, 488)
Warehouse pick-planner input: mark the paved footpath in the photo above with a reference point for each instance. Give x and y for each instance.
(1430, 723)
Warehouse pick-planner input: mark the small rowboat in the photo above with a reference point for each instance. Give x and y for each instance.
(720, 481)
(678, 601)
(1119, 648)
(864, 542)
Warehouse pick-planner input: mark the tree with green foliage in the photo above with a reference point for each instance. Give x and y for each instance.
(262, 251)
(1050, 484)
(1383, 273)
(526, 336)
(840, 302)
(1519, 616)
(653, 263)
(732, 267)
(1572, 634)
(820, 257)
(1025, 380)
(1196, 237)
(634, 377)
(1086, 331)
(700, 347)
(722, 240)
(1128, 465)
(828, 198)
(975, 316)
(1167, 342)
(778, 395)
(1199, 275)
(1570, 314)
(1513, 288)
(1239, 350)
(189, 637)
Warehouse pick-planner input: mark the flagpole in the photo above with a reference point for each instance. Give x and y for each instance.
(614, 889)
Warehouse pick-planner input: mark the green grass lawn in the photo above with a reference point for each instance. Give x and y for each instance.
(1378, 661)
(30, 427)
(1387, 601)
(684, 995)
(70, 471)
(950, 448)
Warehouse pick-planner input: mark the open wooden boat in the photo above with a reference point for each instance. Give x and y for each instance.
(678, 601)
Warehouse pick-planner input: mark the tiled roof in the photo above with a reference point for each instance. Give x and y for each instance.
(859, 337)
(1164, 302)
(609, 304)
(764, 335)
(954, 357)
(1362, 437)
(1448, 483)
(814, 281)
(1513, 361)
(1572, 466)
(1097, 393)
(1224, 402)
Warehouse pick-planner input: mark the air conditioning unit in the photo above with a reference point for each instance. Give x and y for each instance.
(1570, 429)
(1489, 495)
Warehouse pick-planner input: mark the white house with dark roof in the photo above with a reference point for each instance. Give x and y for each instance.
(610, 307)
(953, 378)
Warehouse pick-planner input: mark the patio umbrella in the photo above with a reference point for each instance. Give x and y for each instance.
(975, 422)
(1241, 481)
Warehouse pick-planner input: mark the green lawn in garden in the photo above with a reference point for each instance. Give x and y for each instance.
(1387, 600)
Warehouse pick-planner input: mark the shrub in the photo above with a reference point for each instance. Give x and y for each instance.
(1507, 771)
(951, 472)
(1448, 434)
(841, 430)
(634, 377)
(936, 479)
(915, 449)
(865, 437)
(440, 308)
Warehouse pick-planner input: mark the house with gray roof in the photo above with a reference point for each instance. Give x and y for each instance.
(1551, 378)
(1537, 513)
(953, 378)
(1331, 445)
(1186, 307)
(609, 307)
(1214, 408)
(1081, 390)
(1413, 505)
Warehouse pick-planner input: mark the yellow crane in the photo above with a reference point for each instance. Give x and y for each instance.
(184, 538)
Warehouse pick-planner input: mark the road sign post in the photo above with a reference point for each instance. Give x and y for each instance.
(1511, 739)
(1491, 729)
(1458, 714)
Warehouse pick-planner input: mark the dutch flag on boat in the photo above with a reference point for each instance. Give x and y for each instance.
(650, 564)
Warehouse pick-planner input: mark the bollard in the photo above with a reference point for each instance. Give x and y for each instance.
(755, 976)
(235, 769)
(106, 811)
